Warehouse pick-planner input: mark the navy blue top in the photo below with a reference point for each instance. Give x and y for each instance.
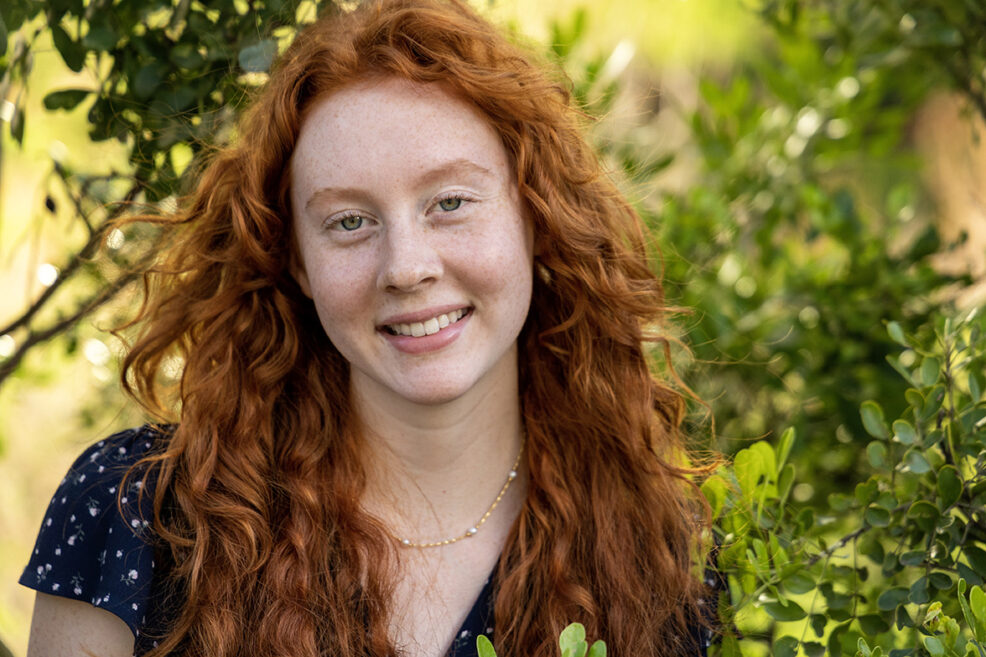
(87, 550)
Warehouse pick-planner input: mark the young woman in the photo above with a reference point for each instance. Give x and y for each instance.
(416, 403)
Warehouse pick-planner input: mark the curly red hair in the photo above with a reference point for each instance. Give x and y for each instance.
(258, 487)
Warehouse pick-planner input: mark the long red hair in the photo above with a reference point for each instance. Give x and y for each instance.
(258, 486)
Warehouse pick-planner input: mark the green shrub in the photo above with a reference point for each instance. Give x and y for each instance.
(897, 565)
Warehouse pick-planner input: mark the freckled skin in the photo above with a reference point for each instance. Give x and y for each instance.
(432, 220)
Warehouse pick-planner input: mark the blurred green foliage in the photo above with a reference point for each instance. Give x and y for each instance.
(809, 228)
(802, 243)
(894, 566)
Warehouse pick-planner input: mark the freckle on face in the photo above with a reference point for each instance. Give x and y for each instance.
(387, 151)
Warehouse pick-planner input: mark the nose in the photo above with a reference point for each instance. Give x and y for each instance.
(410, 259)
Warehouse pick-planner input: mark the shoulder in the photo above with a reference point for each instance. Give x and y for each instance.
(106, 458)
(89, 547)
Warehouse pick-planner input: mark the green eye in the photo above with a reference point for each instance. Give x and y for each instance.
(450, 204)
(351, 222)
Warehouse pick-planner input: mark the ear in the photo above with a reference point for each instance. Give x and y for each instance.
(298, 272)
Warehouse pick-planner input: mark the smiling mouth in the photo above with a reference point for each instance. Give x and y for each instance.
(427, 327)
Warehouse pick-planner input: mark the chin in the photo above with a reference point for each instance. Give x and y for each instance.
(433, 397)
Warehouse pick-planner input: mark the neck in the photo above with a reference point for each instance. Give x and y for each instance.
(433, 469)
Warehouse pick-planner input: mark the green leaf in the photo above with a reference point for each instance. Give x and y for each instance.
(73, 54)
(892, 598)
(3, 37)
(913, 558)
(186, 55)
(598, 649)
(904, 432)
(805, 520)
(834, 599)
(967, 614)
(17, 125)
(784, 448)
(484, 647)
(976, 557)
(785, 481)
(748, 468)
(968, 574)
(873, 422)
(100, 37)
(798, 583)
(903, 619)
(784, 610)
(919, 593)
(818, 623)
(148, 79)
(872, 624)
(876, 452)
(767, 456)
(258, 57)
(877, 516)
(572, 641)
(977, 602)
(867, 491)
(924, 514)
(813, 648)
(181, 155)
(976, 386)
(934, 646)
(835, 639)
(65, 99)
(872, 549)
(916, 463)
(930, 369)
(949, 486)
(786, 646)
(914, 398)
(716, 491)
(897, 333)
(887, 501)
(840, 502)
(941, 581)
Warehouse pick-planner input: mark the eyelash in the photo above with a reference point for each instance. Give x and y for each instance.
(336, 222)
(448, 196)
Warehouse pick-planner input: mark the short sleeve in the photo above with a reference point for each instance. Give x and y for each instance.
(87, 549)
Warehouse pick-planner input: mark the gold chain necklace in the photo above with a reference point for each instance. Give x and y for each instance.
(472, 531)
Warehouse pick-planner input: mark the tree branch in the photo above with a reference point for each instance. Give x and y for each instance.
(81, 256)
(8, 366)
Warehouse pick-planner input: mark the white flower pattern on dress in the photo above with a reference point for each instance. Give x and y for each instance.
(86, 550)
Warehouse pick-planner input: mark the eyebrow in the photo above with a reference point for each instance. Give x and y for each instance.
(452, 167)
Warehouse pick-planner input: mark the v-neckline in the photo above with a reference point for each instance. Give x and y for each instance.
(478, 621)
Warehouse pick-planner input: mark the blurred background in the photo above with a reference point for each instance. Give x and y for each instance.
(811, 170)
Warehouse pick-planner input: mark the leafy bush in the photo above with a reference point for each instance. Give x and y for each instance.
(895, 568)
(808, 225)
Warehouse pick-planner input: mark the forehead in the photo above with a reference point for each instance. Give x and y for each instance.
(390, 127)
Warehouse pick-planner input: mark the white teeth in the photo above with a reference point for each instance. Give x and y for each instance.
(429, 326)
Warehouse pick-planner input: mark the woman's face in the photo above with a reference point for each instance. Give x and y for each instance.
(412, 242)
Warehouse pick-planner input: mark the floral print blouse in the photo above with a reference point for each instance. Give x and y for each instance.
(88, 550)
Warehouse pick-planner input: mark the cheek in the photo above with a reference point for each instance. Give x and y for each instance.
(339, 293)
(503, 266)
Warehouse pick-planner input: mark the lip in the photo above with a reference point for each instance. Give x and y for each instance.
(427, 343)
(422, 315)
